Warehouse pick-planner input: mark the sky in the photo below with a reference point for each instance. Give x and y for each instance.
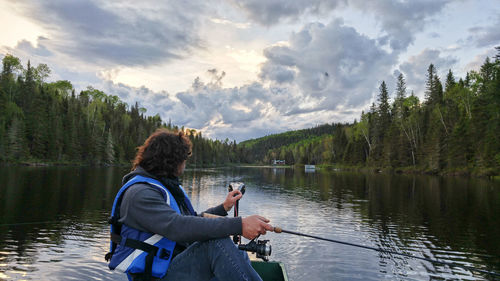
(245, 69)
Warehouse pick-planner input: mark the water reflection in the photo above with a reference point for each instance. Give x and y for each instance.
(451, 219)
(51, 219)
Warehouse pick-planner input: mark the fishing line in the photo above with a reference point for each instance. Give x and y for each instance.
(280, 230)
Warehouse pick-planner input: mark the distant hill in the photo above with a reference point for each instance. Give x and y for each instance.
(256, 149)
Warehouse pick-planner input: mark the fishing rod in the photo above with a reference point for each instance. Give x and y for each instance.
(280, 230)
(263, 250)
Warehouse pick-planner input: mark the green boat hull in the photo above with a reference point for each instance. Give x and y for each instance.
(270, 271)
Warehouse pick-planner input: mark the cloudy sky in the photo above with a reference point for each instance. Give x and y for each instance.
(245, 69)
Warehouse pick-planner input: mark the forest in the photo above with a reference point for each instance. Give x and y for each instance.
(43, 123)
(454, 130)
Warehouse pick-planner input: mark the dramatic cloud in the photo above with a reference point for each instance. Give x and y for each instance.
(415, 69)
(284, 72)
(332, 66)
(118, 33)
(273, 11)
(400, 20)
(217, 111)
(236, 113)
(321, 74)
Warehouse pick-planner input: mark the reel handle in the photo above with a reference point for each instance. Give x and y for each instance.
(241, 187)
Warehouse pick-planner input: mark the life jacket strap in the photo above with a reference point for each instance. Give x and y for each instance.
(136, 244)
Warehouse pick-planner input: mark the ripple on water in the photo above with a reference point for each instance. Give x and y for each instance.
(73, 249)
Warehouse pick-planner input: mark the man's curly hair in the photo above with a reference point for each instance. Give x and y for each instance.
(163, 152)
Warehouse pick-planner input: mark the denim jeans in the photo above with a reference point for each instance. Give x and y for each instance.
(217, 259)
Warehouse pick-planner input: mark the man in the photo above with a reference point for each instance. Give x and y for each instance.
(156, 234)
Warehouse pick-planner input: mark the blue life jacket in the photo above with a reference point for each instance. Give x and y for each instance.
(135, 251)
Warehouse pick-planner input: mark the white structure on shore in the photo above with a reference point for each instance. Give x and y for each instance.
(278, 162)
(310, 168)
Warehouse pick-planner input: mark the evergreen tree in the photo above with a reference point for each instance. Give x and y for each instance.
(454, 129)
(450, 81)
(433, 95)
(383, 122)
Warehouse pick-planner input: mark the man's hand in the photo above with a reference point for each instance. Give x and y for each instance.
(231, 199)
(255, 225)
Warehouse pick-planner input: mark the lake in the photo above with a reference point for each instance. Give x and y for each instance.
(53, 221)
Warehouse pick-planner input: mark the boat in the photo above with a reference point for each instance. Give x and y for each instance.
(310, 168)
(270, 270)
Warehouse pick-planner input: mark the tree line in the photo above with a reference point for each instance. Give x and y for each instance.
(49, 122)
(455, 129)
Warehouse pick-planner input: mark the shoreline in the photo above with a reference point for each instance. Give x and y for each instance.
(489, 173)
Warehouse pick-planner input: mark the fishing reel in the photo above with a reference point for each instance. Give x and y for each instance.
(236, 186)
(241, 187)
(259, 247)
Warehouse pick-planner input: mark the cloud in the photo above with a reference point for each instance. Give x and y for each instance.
(119, 33)
(238, 25)
(40, 50)
(208, 107)
(331, 66)
(271, 12)
(237, 113)
(80, 75)
(278, 73)
(479, 60)
(486, 36)
(323, 73)
(415, 69)
(155, 102)
(400, 20)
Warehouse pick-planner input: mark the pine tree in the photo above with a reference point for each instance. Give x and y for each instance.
(433, 87)
(450, 81)
(383, 106)
(400, 97)
(383, 122)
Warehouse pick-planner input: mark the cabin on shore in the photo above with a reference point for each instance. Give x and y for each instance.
(278, 162)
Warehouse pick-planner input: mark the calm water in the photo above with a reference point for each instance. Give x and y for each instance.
(53, 221)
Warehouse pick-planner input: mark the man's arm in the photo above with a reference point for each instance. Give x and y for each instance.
(217, 210)
(144, 208)
(231, 199)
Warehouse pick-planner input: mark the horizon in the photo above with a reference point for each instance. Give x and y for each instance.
(243, 70)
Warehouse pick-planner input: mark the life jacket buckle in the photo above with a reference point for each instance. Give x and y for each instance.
(108, 256)
(114, 221)
(164, 254)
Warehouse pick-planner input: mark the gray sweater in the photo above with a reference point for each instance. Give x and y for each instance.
(144, 208)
